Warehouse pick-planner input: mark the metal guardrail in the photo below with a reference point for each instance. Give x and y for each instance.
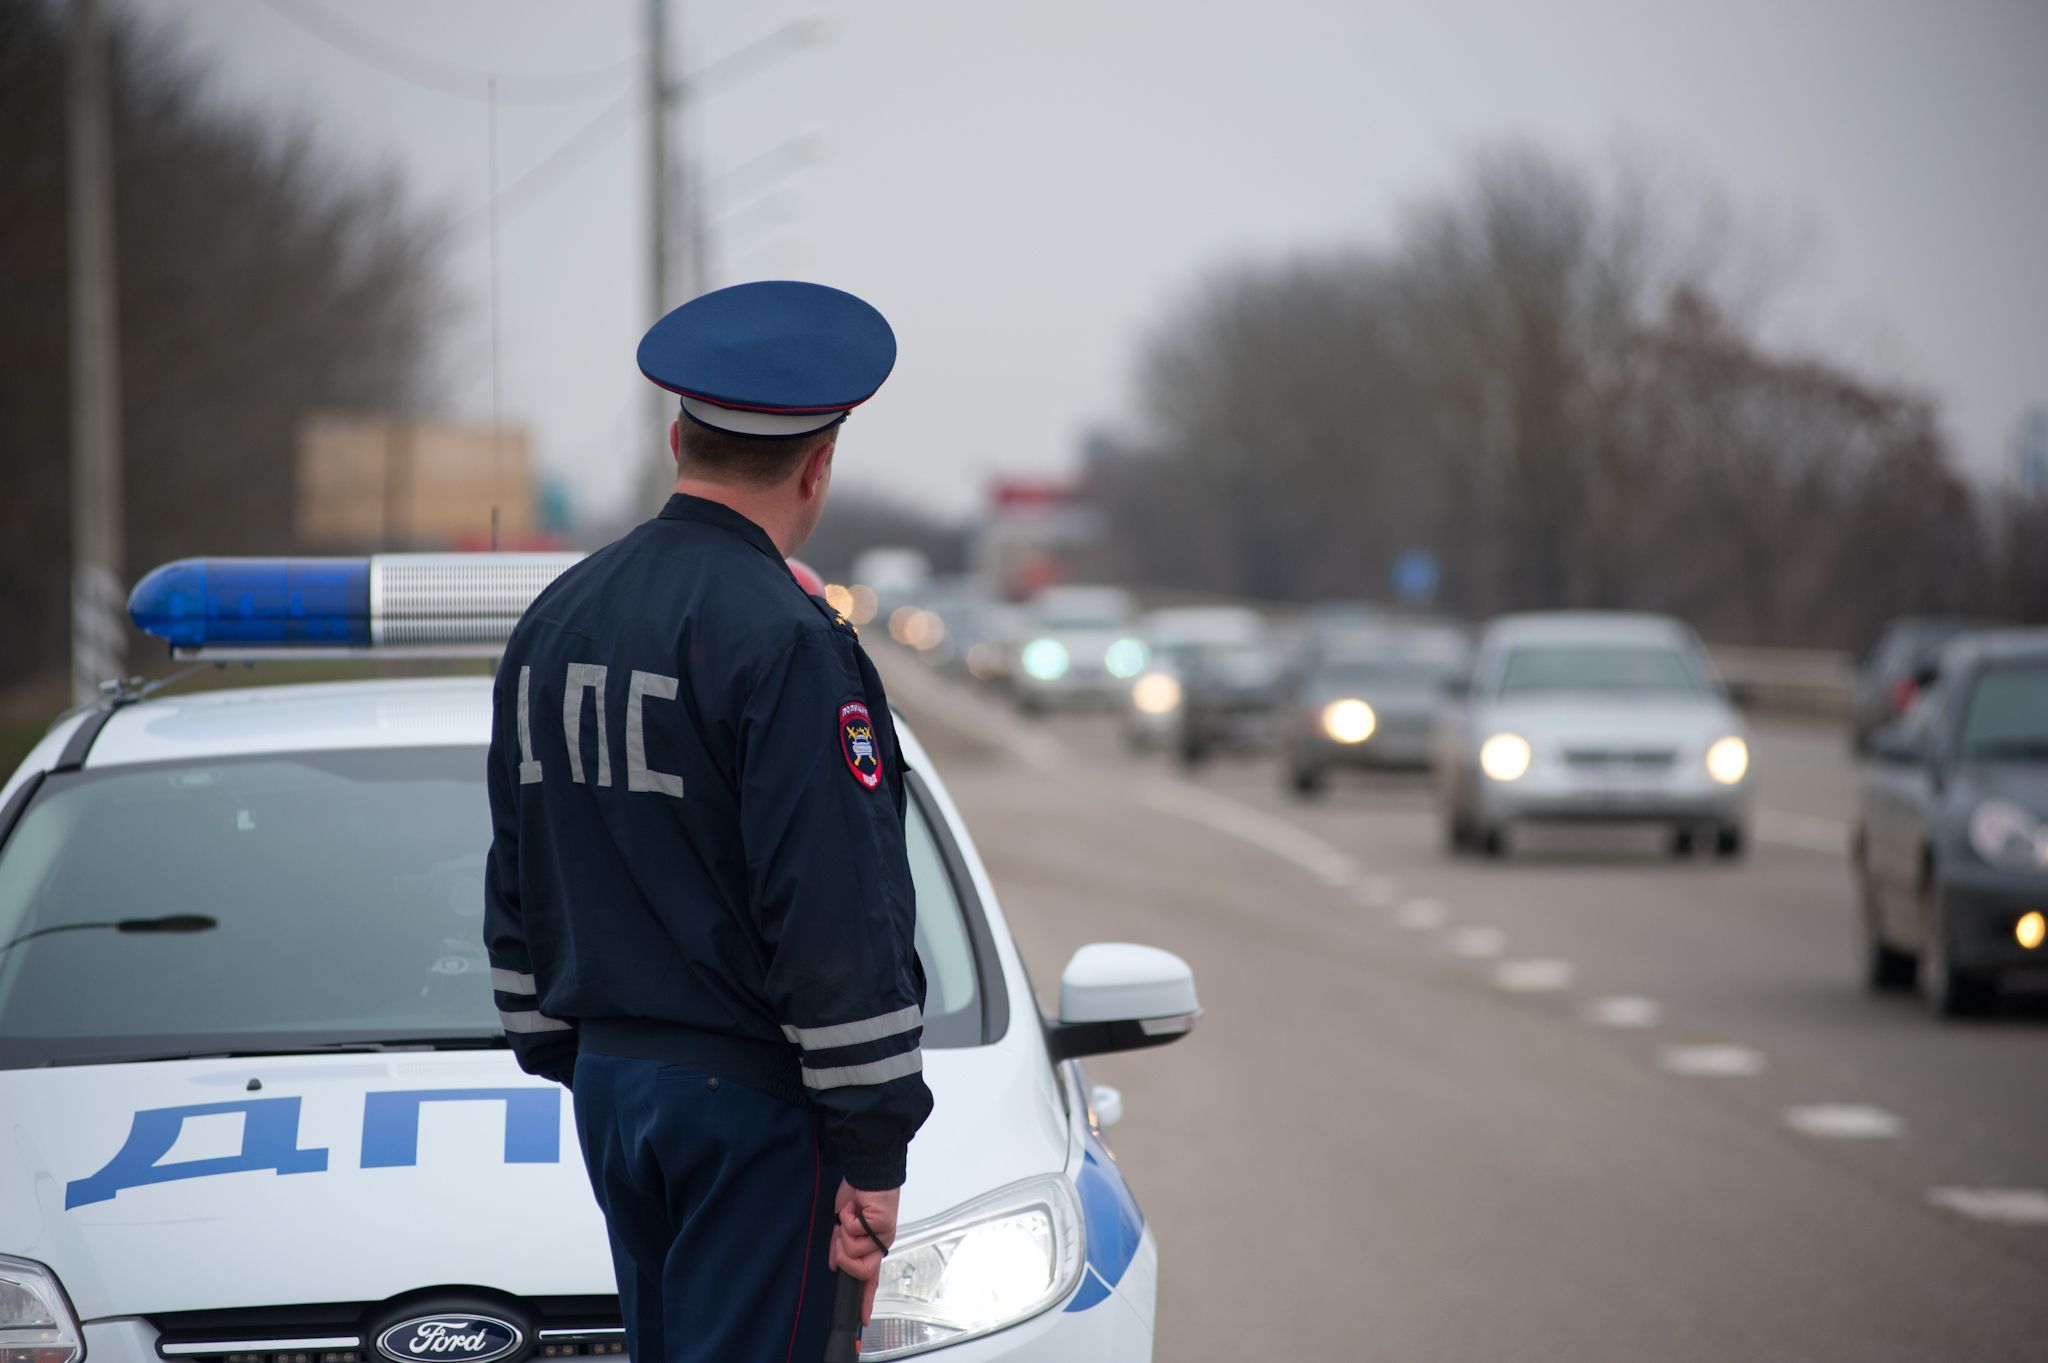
(1791, 680)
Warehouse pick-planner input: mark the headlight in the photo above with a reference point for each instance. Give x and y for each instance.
(1155, 693)
(998, 1260)
(1505, 757)
(1125, 658)
(2006, 835)
(1349, 721)
(36, 1324)
(1044, 659)
(1728, 760)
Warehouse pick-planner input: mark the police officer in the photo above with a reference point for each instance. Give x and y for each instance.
(698, 905)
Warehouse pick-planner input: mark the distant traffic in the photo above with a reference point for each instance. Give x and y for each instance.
(1590, 718)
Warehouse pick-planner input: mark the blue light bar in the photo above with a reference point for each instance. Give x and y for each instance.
(200, 602)
(412, 605)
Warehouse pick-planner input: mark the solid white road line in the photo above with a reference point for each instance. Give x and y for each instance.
(1478, 944)
(1421, 915)
(1624, 1010)
(1717, 1061)
(1262, 830)
(1801, 832)
(2007, 1206)
(1844, 1122)
(1540, 975)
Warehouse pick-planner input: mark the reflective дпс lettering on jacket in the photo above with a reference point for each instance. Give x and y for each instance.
(697, 806)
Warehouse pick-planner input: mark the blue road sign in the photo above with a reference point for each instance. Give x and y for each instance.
(1415, 575)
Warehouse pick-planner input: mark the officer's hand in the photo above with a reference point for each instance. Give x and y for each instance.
(853, 1252)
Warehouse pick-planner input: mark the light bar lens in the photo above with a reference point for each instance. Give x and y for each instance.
(198, 602)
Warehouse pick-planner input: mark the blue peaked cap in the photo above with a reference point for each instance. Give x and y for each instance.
(773, 358)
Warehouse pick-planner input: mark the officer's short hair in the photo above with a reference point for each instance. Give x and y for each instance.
(758, 461)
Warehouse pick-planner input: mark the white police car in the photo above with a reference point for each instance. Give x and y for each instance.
(254, 1105)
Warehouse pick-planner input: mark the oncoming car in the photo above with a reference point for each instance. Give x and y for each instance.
(1596, 717)
(257, 1101)
(1950, 850)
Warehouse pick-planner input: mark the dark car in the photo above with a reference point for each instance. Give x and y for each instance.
(1370, 699)
(1227, 696)
(1951, 843)
(1888, 678)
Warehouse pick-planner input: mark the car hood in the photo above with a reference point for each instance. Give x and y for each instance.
(1607, 722)
(2023, 783)
(190, 1185)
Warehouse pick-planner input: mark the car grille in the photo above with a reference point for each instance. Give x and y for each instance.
(1625, 759)
(337, 1332)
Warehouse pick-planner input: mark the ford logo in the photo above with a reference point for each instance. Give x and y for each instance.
(454, 1338)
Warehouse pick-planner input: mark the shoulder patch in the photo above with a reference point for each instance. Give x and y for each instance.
(860, 744)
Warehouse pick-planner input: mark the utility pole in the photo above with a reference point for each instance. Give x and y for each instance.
(659, 92)
(98, 636)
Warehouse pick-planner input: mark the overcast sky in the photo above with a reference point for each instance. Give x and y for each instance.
(1025, 189)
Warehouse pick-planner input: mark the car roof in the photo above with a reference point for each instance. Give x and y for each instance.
(1995, 645)
(423, 712)
(1587, 627)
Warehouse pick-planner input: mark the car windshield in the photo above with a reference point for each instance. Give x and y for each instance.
(1384, 672)
(2006, 718)
(1610, 669)
(294, 901)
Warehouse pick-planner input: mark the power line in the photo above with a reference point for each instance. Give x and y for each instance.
(444, 78)
(547, 173)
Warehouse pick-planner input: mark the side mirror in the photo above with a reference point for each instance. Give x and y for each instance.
(1117, 996)
(1457, 687)
(1741, 694)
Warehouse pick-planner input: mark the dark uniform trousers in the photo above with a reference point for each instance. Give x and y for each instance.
(719, 1199)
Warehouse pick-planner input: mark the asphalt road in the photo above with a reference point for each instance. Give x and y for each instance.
(1586, 1104)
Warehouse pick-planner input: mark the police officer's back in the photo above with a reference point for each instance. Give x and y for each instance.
(699, 911)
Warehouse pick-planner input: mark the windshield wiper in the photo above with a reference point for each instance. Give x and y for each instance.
(474, 1042)
(170, 922)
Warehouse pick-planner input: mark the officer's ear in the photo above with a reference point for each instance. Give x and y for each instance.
(675, 442)
(816, 473)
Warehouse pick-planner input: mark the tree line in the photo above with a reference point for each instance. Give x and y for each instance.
(259, 280)
(1554, 381)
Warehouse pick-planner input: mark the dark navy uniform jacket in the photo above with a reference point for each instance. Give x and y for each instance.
(698, 856)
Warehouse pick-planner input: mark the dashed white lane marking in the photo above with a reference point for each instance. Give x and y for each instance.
(1624, 1010)
(1262, 830)
(1844, 1122)
(1720, 1062)
(1536, 976)
(1802, 832)
(1478, 944)
(2007, 1206)
(1421, 915)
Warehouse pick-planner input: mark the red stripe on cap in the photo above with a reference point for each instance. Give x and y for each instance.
(745, 407)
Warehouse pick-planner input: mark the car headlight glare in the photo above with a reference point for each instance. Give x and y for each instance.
(1505, 757)
(1156, 693)
(1728, 760)
(2004, 834)
(1349, 721)
(1125, 659)
(36, 1324)
(1044, 660)
(996, 1261)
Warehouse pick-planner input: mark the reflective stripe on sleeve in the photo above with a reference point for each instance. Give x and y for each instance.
(874, 1072)
(512, 982)
(531, 1020)
(854, 1033)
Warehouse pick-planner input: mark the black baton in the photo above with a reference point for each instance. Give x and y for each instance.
(843, 1344)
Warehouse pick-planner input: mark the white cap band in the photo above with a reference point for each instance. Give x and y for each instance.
(741, 422)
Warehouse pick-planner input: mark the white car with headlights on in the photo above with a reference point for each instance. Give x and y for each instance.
(1077, 647)
(1594, 717)
(257, 1104)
